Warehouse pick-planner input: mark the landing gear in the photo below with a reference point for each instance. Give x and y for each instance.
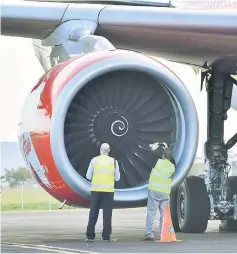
(214, 196)
(222, 198)
(193, 205)
(230, 224)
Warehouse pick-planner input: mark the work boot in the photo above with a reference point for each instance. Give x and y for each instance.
(147, 237)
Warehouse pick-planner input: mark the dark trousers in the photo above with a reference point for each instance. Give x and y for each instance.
(100, 200)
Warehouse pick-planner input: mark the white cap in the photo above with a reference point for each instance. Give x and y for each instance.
(105, 148)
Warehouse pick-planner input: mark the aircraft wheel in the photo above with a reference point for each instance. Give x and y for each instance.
(230, 225)
(173, 209)
(193, 205)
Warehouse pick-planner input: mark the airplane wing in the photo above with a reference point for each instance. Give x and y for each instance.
(186, 36)
(31, 20)
(160, 3)
(38, 18)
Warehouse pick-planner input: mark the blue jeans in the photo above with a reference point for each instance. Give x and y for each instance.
(156, 200)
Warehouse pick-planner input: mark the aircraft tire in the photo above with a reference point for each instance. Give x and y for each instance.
(230, 225)
(193, 205)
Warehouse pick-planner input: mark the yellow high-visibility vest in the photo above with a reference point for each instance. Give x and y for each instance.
(160, 178)
(103, 176)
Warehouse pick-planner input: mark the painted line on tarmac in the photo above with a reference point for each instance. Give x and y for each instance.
(45, 211)
(33, 247)
(48, 248)
(63, 210)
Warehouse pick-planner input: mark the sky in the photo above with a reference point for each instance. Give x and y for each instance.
(20, 70)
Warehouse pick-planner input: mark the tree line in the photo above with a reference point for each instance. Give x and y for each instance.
(16, 177)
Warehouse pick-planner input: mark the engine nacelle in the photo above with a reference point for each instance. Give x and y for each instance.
(124, 98)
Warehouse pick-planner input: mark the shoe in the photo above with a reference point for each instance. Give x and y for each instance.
(89, 240)
(110, 240)
(148, 238)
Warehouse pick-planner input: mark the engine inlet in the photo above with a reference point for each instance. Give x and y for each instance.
(130, 101)
(127, 109)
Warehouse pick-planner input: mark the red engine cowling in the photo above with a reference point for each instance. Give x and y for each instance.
(124, 98)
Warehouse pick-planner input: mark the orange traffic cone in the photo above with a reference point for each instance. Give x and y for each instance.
(167, 233)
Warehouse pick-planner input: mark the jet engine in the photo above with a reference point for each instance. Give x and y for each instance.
(120, 97)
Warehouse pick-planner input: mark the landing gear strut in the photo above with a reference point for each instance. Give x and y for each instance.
(214, 196)
(223, 202)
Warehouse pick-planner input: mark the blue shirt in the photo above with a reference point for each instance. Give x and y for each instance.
(90, 171)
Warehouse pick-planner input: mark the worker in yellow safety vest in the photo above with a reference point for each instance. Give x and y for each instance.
(103, 171)
(159, 188)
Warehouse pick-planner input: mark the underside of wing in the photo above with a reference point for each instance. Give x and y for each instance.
(186, 36)
(160, 3)
(31, 20)
(186, 4)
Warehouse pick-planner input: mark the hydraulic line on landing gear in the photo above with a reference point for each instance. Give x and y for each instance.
(231, 142)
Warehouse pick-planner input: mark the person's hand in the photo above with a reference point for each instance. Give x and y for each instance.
(154, 146)
(157, 144)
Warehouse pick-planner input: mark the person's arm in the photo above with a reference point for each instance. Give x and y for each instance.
(173, 161)
(116, 172)
(174, 164)
(159, 152)
(90, 171)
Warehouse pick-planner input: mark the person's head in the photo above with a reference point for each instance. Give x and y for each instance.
(168, 153)
(104, 149)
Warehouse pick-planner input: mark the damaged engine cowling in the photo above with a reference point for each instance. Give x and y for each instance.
(124, 98)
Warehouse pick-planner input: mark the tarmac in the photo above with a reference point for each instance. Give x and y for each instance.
(63, 231)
